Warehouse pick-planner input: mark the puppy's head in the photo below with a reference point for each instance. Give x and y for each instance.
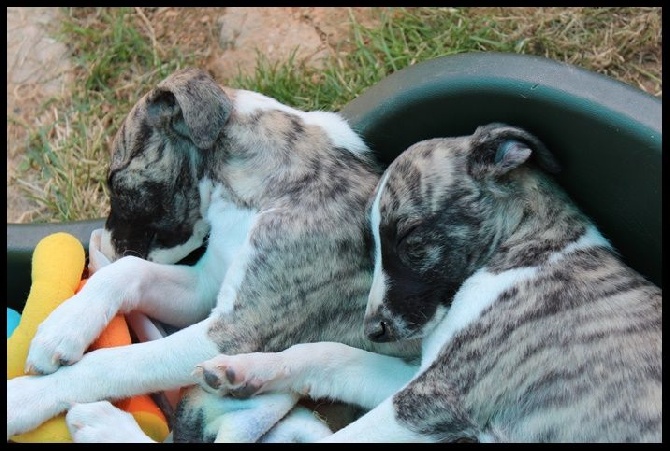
(435, 217)
(188, 138)
(157, 161)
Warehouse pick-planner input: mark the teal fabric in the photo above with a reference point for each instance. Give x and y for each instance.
(13, 318)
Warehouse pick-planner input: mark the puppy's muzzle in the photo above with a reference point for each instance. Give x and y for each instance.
(379, 329)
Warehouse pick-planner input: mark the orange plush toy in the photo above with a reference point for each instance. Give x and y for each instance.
(57, 270)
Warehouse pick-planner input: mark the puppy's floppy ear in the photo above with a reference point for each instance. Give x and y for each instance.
(507, 147)
(192, 104)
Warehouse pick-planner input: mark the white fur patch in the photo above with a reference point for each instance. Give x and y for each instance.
(96, 257)
(300, 425)
(104, 244)
(230, 224)
(226, 252)
(337, 129)
(591, 238)
(247, 420)
(481, 289)
(101, 422)
(225, 301)
(335, 126)
(378, 289)
(476, 294)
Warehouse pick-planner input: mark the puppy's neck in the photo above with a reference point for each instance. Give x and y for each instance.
(537, 221)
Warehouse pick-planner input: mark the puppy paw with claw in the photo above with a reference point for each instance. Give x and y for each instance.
(241, 375)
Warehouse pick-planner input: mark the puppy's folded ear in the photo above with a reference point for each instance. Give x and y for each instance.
(506, 147)
(511, 154)
(192, 104)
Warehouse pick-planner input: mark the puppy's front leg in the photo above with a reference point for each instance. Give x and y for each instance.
(324, 369)
(169, 293)
(108, 373)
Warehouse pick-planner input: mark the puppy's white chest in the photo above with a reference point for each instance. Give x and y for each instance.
(230, 227)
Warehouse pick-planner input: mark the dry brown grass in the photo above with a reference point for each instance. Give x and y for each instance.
(624, 43)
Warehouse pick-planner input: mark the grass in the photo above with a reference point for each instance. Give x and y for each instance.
(65, 160)
(118, 60)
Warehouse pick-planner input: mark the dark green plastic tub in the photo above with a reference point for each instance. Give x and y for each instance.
(606, 134)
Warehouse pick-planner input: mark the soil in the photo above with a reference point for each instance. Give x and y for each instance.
(39, 67)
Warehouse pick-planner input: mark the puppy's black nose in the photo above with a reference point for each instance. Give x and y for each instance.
(378, 330)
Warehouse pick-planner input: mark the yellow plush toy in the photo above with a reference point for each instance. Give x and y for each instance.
(57, 270)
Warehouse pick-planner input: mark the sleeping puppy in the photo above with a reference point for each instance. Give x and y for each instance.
(277, 195)
(533, 329)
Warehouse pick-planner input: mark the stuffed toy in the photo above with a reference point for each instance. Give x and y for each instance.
(58, 272)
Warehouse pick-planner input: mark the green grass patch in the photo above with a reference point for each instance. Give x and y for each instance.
(117, 61)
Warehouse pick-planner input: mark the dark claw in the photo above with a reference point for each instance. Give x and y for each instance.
(230, 375)
(211, 379)
(244, 391)
(64, 362)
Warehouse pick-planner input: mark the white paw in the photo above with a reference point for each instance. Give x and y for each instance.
(31, 400)
(101, 422)
(64, 337)
(240, 375)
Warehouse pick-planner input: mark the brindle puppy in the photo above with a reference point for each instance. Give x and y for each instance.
(533, 329)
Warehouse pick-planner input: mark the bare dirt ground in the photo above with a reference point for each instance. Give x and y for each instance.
(39, 67)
